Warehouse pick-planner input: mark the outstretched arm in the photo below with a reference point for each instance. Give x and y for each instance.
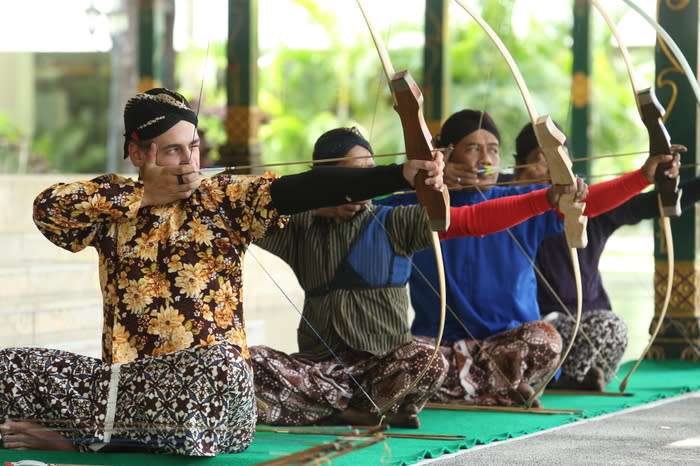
(495, 214)
(646, 205)
(610, 194)
(330, 186)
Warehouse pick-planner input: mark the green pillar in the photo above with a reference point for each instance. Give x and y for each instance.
(155, 44)
(147, 75)
(581, 86)
(679, 336)
(435, 64)
(242, 114)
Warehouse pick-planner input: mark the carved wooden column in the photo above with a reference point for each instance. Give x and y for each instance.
(679, 336)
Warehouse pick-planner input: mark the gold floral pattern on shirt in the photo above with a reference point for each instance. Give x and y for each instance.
(171, 274)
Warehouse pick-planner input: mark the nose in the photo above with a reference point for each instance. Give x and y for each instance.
(484, 154)
(186, 156)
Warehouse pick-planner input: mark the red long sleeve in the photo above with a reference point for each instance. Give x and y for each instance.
(495, 214)
(610, 194)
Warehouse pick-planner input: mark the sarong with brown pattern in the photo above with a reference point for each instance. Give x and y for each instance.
(490, 371)
(300, 392)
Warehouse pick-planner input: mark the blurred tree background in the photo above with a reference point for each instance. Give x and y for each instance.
(304, 92)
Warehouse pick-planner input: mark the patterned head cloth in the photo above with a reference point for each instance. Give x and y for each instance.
(526, 141)
(152, 113)
(465, 122)
(337, 142)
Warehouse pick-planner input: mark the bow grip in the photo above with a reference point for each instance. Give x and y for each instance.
(660, 143)
(417, 138)
(552, 140)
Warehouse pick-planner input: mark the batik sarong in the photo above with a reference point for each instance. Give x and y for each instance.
(601, 341)
(299, 392)
(490, 371)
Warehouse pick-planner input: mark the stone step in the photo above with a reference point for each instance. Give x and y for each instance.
(41, 319)
(32, 277)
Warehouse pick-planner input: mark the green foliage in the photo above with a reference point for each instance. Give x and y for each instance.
(306, 92)
(70, 148)
(10, 141)
(72, 118)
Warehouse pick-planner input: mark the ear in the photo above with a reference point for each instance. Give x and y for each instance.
(136, 154)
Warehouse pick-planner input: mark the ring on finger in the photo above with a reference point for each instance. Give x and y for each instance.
(180, 179)
(459, 180)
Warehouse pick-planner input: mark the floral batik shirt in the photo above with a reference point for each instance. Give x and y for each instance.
(171, 275)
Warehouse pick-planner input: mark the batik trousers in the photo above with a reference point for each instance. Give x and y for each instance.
(197, 402)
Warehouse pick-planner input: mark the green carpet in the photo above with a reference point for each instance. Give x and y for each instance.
(653, 380)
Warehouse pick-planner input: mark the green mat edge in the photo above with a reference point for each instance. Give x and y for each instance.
(384, 453)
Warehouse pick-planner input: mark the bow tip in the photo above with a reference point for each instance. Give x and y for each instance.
(439, 224)
(672, 210)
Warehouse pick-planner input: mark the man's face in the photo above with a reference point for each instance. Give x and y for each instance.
(177, 146)
(476, 150)
(536, 169)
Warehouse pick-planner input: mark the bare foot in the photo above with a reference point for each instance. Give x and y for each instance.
(593, 381)
(526, 391)
(26, 435)
(355, 417)
(407, 417)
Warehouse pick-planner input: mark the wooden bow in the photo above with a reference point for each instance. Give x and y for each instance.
(551, 140)
(669, 196)
(408, 101)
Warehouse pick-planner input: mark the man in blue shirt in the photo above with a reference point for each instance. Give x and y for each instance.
(497, 346)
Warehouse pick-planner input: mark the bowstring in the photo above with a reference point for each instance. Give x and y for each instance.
(201, 94)
(551, 289)
(484, 104)
(313, 329)
(524, 252)
(453, 313)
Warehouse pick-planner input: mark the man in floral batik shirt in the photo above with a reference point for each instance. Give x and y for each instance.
(175, 375)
